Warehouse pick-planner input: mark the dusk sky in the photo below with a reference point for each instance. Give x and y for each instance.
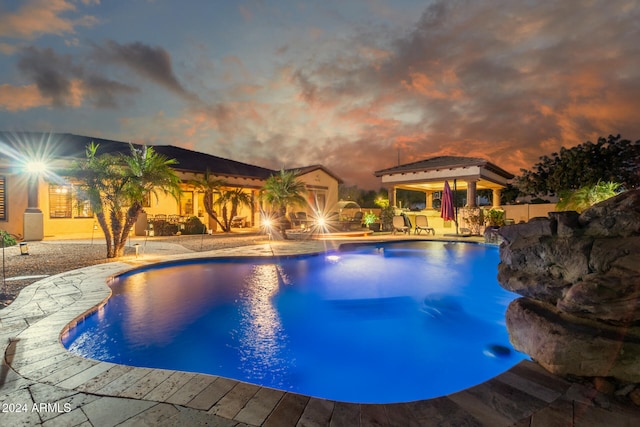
(352, 85)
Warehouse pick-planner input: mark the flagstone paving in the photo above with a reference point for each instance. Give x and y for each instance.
(43, 384)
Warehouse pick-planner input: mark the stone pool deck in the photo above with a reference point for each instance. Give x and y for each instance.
(43, 384)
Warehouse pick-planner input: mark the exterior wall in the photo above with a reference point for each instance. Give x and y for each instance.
(16, 202)
(523, 213)
(320, 182)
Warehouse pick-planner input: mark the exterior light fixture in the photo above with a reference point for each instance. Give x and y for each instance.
(35, 167)
(24, 248)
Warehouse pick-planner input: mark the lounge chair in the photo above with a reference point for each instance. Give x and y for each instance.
(422, 223)
(399, 225)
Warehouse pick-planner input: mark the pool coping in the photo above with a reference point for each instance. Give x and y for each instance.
(34, 323)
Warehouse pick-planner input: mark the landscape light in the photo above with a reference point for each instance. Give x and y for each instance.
(24, 248)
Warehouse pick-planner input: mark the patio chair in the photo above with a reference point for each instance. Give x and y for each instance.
(295, 222)
(238, 221)
(399, 225)
(422, 223)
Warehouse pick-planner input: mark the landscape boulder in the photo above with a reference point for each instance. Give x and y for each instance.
(579, 278)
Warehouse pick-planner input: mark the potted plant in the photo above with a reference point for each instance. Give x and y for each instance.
(370, 219)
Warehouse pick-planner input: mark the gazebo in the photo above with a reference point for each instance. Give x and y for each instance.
(468, 173)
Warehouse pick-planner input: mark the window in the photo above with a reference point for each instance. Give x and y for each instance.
(82, 204)
(186, 203)
(3, 198)
(200, 203)
(317, 200)
(60, 201)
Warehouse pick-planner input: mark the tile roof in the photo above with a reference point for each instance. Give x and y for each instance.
(199, 162)
(70, 146)
(443, 162)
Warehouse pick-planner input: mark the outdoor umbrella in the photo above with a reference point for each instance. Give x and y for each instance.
(447, 210)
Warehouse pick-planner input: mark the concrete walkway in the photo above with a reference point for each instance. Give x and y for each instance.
(43, 384)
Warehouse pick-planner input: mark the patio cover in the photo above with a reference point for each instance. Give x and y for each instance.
(429, 175)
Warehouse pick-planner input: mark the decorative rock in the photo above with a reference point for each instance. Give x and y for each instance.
(622, 253)
(569, 345)
(603, 385)
(625, 390)
(543, 288)
(609, 298)
(635, 397)
(580, 276)
(491, 235)
(617, 216)
(567, 222)
(538, 226)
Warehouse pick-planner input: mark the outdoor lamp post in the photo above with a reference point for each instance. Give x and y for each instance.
(33, 225)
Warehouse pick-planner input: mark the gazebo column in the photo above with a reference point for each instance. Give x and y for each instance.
(428, 199)
(392, 195)
(495, 200)
(471, 194)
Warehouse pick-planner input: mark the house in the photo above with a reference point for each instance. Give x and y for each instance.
(36, 203)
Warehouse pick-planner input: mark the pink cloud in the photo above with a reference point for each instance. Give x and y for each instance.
(37, 17)
(20, 98)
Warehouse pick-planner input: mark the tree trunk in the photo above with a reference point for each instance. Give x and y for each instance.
(107, 233)
(129, 220)
(208, 206)
(227, 221)
(283, 221)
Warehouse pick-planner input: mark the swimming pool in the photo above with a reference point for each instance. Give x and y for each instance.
(376, 323)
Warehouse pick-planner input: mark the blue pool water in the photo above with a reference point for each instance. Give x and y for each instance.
(376, 323)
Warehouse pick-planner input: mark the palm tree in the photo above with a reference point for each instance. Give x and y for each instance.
(236, 197)
(211, 187)
(116, 185)
(281, 191)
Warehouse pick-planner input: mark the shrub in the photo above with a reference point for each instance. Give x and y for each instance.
(587, 196)
(194, 226)
(370, 218)
(494, 217)
(8, 239)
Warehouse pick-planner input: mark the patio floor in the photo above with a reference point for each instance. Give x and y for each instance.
(43, 384)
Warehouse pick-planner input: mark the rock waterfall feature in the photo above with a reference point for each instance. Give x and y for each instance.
(579, 278)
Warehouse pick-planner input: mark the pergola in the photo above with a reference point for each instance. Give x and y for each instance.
(468, 173)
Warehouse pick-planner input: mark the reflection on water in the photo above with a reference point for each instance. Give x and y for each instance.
(396, 323)
(261, 337)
